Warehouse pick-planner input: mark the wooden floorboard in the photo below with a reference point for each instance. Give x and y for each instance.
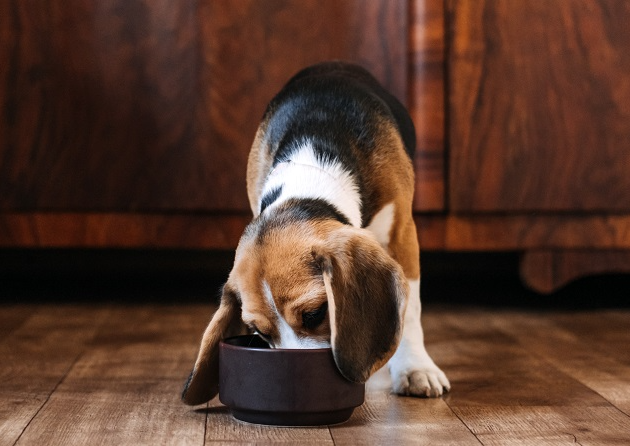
(12, 316)
(223, 429)
(389, 419)
(125, 387)
(112, 374)
(578, 345)
(35, 358)
(523, 379)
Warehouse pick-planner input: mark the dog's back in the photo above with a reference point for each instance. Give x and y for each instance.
(341, 96)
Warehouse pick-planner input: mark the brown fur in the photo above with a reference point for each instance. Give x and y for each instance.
(391, 172)
(203, 382)
(367, 319)
(288, 271)
(258, 167)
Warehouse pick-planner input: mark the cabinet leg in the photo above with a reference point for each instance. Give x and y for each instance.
(546, 271)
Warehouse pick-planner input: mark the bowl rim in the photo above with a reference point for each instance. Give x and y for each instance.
(224, 344)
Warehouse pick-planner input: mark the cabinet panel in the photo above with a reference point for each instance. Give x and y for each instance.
(251, 47)
(98, 103)
(539, 105)
(426, 101)
(151, 106)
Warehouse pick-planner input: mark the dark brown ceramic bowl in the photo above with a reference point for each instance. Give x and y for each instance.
(284, 387)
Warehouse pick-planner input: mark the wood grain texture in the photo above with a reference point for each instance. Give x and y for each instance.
(250, 51)
(539, 105)
(385, 418)
(111, 374)
(522, 232)
(222, 428)
(427, 101)
(507, 389)
(122, 230)
(577, 345)
(469, 340)
(124, 389)
(98, 105)
(222, 231)
(127, 106)
(514, 425)
(546, 271)
(36, 357)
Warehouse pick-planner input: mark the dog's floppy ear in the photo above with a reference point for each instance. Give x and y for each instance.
(203, 382)
(367, 294)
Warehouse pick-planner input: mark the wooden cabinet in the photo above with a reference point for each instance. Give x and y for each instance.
(539, 106)
(119, 106)
(539, 133)
(127, 124)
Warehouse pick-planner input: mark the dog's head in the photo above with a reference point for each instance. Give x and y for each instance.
(307, 284)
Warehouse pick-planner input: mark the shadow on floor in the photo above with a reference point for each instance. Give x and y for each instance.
(493, 280)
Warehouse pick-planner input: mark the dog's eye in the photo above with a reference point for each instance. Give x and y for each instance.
(313, 319)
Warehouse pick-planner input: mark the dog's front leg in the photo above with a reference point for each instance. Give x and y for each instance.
(412, 369)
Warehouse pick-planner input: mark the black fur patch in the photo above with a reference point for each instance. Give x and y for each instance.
(339, 92)
(297, 210)
(314, 209)
(268, 199)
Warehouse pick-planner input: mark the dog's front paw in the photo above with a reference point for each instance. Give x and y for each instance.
(428, 381)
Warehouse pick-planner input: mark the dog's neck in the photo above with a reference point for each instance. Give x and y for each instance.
(304, 177)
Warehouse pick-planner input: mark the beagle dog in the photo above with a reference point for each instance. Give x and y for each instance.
(331, 257)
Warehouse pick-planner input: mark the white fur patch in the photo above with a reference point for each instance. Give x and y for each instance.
(412, 369)
(305, 177)
(381, 224)
(288, 338)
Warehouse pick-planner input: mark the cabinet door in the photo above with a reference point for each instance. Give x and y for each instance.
(539, 105)
(151, 106)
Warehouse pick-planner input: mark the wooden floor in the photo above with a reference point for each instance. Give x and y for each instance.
(112, 373)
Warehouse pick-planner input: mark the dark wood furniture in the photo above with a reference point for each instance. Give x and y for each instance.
(127, 124)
